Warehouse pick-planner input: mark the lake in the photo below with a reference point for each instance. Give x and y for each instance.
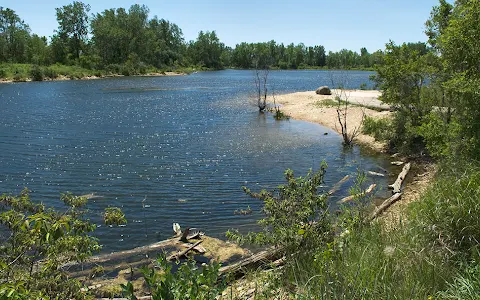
(166, 149)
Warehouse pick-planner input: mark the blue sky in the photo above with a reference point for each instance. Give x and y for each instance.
(349, 24)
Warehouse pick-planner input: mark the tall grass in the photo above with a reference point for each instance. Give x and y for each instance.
(432, 254)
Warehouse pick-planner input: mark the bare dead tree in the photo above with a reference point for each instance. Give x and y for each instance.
(342, 107)
(261, 78)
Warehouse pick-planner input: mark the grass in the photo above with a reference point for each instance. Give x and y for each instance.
(26, 72)
(432, 254)
(335, 102)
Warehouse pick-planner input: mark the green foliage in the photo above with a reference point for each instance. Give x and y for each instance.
(114, 215)
(280, 115)
(365, 261)
(73, 26)
(442, 139)
(381, 128)
(37, 73)
(187, 282)
(40, 242)
(465, 285)
(296, 214)
(116, 34)
(448, 212)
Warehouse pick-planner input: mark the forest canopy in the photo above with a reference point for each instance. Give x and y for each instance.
(117, 38)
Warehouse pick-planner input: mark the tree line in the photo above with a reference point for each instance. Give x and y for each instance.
(119, 38)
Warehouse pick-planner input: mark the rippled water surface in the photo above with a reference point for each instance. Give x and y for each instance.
(183, 145)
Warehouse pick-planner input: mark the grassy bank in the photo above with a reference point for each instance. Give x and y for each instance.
(29, 72)
(430, 253)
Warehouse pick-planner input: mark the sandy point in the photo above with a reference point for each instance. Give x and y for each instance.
(308, 106)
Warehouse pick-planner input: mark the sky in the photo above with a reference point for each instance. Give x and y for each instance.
(335, 24)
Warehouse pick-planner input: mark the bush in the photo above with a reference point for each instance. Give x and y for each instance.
(380, 129)
(3, 73)
(36, 73)
(50, 73)
(442, 139)
(188, 282)
(296, 214)
(40, 242)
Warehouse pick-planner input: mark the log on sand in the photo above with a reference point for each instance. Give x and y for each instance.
(184, 252)
(362, 194)
(337, 185)
(386, 204)
(396, 186)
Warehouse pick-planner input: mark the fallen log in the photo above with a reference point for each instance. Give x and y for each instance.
(397, 163)
(362, 194)
(337, 185)
(396, 186)
(260, 259)
(198, 249)
(386, 204)
(182, 253)
(126, 255)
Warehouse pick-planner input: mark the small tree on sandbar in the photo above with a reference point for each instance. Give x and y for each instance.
(342, 105)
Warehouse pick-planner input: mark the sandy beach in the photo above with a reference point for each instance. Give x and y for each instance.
(307, 106)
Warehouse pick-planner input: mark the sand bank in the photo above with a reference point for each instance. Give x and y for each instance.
(309, 106)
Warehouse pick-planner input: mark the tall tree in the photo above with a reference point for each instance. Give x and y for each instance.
(14, 36)
(207, 50)
(73, 25)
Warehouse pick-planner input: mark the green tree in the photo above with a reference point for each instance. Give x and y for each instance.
(460, 54)
(73, 26)
(14, 37)
(207, 50)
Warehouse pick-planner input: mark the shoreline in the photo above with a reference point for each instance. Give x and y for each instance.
(65, 78)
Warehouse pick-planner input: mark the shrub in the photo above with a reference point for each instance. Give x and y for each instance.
(380, 129)
(50, 73)
(3, 73)
(442, 139)
(36, 73)
(188, 282)
(296, 214)
(40, 242)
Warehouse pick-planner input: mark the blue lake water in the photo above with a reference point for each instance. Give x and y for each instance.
(165, 149)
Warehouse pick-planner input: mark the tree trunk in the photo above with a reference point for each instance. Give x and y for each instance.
(396, 186)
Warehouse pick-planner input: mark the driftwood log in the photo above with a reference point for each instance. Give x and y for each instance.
(397, 163)
(260, 259)
(337, 185)
(375, 174)
(184, 252)
(396, 186)
(386, 204)
(362, 194)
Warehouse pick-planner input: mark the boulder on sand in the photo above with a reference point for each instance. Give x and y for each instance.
(323, 90)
